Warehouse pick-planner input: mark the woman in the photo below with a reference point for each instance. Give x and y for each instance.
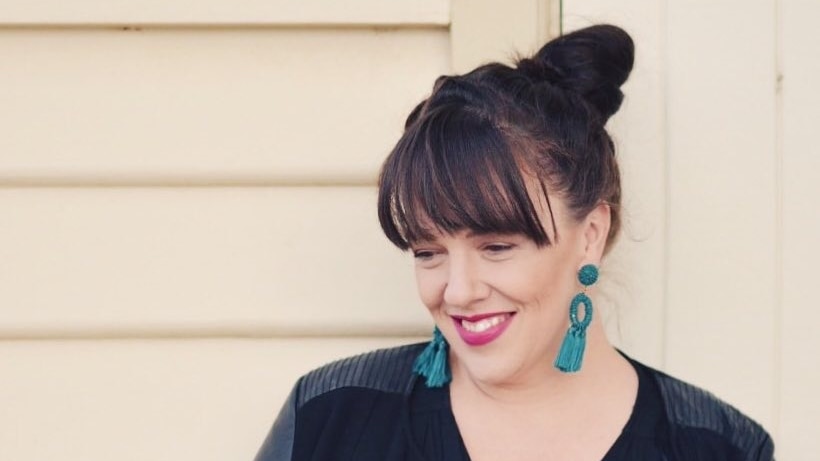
(506, 189)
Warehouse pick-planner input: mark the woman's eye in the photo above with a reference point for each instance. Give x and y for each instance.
(498, 248)
(423, 255)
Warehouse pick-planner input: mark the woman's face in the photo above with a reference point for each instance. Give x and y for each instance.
(501, 301)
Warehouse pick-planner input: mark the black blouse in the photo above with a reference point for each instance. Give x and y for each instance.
(371, 407)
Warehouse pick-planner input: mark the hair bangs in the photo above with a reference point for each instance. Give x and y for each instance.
(453, 170)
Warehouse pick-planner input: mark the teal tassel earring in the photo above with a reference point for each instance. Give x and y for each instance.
(432, 362)
(571, 354)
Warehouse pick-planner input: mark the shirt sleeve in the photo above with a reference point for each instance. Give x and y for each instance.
(278, 445)
(765, 451)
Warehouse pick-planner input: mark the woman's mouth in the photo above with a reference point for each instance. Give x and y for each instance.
(478, 330)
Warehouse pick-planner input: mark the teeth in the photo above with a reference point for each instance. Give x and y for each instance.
(483, 324)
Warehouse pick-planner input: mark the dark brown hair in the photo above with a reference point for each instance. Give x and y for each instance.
(466, 151)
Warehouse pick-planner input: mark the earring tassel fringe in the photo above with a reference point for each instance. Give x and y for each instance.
(432, 362)
(571, 355)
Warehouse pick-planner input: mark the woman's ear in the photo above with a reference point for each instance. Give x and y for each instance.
(596, 231)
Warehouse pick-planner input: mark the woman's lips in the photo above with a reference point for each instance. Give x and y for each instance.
(477, 330)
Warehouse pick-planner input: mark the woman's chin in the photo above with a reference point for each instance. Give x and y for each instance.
(489, 371)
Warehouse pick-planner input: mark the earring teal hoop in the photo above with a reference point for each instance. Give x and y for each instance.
(571, 356)
(432, 362)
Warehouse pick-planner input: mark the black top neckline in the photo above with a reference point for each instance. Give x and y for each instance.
(435, 434)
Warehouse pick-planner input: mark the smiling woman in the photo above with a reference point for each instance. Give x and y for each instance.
(506, 188)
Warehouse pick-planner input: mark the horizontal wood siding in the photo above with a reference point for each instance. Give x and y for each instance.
(286, 260)
(221, 12)
(209, 106)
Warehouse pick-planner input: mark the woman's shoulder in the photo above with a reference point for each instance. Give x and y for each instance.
(696, 413)
(385, 370)
(342, 385)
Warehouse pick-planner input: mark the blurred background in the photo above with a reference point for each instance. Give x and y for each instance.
(187, 205)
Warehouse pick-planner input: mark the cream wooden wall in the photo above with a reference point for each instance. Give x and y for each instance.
(188, 205)
(188, 210)
(188, 214)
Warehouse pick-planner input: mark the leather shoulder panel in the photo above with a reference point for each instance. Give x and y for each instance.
(693, 407)
(387, 370)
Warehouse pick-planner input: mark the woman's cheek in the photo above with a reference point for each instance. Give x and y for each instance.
(430, 288)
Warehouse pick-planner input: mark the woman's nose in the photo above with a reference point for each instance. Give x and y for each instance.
(464, 286)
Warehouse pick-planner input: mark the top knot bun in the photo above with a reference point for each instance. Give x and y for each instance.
(593, 62)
